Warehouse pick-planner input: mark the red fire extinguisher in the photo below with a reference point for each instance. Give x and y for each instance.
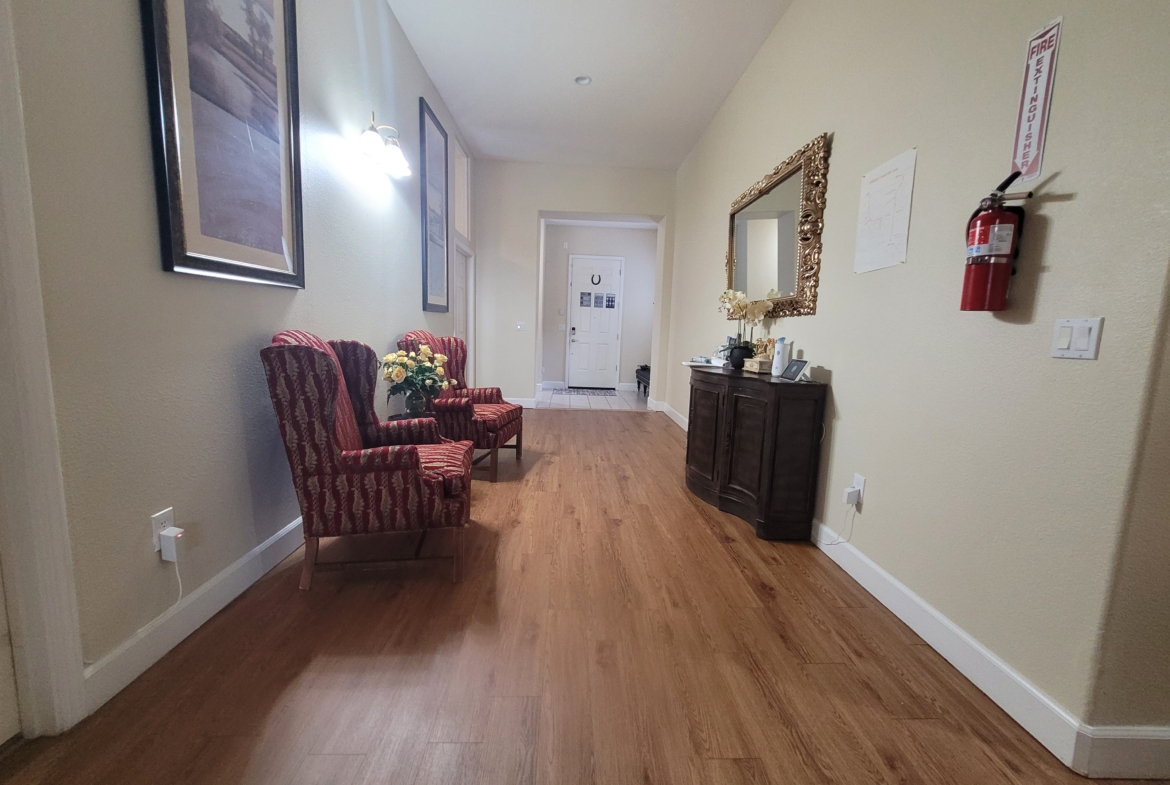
(993, 243)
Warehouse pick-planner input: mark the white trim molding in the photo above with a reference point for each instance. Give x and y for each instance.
(527, 403)
(663, 406)
(552, 386)
(113, 672)
(627, 387)
(1122, 752)
(34, 530)
(1103, 752)
(602, 224)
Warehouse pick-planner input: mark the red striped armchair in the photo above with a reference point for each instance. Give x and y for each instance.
(352, 473)
(476, 414)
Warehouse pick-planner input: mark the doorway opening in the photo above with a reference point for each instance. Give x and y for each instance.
(595, 321)
(463, 300)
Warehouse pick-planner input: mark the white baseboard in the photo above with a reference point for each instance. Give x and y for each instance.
(527, 403)
(113, 672)
(663, 406)
(552, 385)
(628, 387)
(1120, 752)
(1142, 752)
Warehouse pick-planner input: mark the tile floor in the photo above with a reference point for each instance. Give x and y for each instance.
(624, 401)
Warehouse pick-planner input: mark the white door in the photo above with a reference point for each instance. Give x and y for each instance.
(595, 320)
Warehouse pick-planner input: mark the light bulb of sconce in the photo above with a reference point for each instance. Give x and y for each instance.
(373, 144)
(396, 164)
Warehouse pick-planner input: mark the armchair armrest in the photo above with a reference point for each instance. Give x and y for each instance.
(421, 430)
(380, 459)
(485, 395)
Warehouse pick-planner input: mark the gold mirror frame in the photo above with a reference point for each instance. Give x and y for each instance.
(813, 159)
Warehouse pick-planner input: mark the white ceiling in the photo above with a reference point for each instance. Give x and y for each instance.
(660, 68)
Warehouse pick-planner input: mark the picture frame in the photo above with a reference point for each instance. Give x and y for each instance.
(435, 179)
(224, 112)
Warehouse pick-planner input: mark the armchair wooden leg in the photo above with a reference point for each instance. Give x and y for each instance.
(457, 558)
(309, 563)
(495, 468)
(520, 443)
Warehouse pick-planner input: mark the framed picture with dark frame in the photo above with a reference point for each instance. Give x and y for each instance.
(433, 157)
(222, 76)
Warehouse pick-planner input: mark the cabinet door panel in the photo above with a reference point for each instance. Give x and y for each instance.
(794, 473)
(703, 426)
(747, 428)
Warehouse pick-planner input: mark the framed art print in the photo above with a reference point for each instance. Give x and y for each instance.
(433, 157)
(223, 102)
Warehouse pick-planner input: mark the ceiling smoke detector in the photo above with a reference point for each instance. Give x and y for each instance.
(583, 80)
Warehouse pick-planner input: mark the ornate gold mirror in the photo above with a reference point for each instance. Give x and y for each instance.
(774, 243)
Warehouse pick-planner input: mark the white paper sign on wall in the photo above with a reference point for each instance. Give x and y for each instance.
(883, 216)
(1035, 101)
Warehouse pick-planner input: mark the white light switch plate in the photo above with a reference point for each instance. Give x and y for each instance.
(1077, 339)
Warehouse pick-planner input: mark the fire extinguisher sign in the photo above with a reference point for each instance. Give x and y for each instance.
(1035, 101)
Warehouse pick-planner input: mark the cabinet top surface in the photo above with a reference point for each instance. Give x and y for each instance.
(762, 378)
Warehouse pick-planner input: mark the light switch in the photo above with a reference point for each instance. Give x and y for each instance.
(561, 327)
(1077, 339)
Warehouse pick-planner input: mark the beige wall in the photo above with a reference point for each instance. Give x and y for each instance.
(1133, 683)
(639, 247)
(508, 199)
(997, 476)
(159, 391)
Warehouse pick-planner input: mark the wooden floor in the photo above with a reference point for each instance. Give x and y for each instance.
(612, 629)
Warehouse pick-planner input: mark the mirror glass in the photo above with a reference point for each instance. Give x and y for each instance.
(764, 247)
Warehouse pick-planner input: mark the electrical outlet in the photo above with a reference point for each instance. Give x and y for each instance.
(859, 484)
(519, 325)
(158, 522)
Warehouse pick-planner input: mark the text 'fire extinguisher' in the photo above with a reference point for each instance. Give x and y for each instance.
(993, 243)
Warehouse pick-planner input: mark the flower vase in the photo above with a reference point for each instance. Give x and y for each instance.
(738, 354)
(416, 403)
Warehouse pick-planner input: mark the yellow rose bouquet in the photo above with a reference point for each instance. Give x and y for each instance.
(417, 375)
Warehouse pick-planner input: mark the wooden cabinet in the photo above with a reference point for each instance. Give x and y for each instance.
(754, 448)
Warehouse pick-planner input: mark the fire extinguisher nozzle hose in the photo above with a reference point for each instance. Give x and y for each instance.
(1007, 183)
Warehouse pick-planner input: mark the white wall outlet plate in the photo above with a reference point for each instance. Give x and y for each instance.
(519, 325)
(1077, 339)
(859, 484)
(159, 521)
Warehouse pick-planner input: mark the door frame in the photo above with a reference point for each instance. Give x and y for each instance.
(621, 260)
(34, 531)
(463, 245)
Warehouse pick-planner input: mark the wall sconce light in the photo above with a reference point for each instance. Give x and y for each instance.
(385, 151)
